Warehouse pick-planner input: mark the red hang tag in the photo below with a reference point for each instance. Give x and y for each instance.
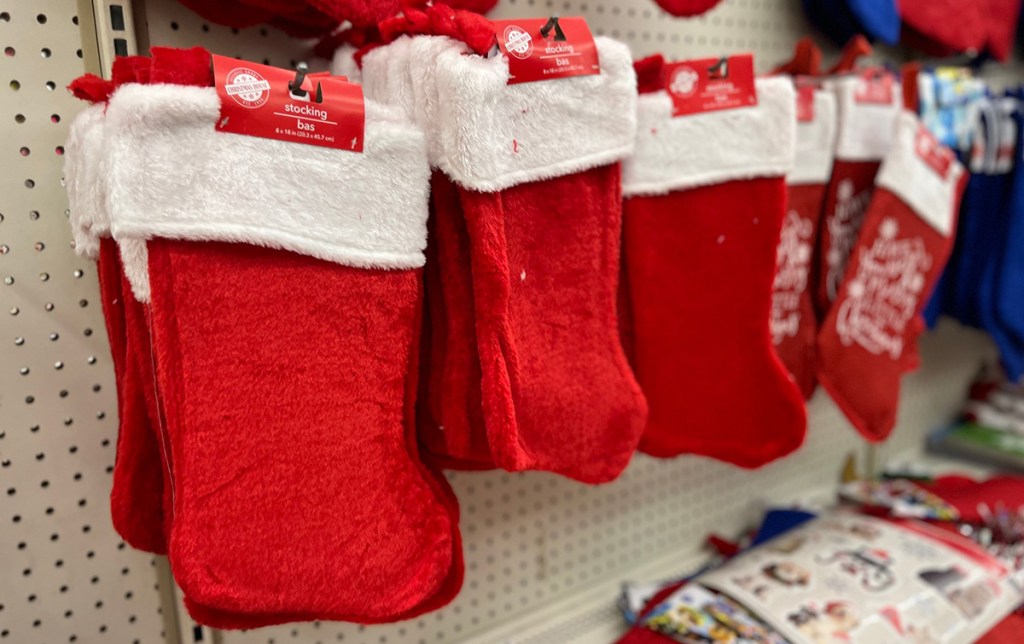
(567, 50)
(711, 84)
(804, 102)
(255, 100)
(938, 157)
(875, 86)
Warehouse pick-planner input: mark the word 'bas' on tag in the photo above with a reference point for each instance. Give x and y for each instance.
(711, 84)
(257, 100)
(875, 86)
(540, 50)
(938, 157)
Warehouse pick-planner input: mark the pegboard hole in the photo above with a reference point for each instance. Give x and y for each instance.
(25, 151)
(9, 51)
(39, 246)
(50, 85)
(45, 52)
(55, 118)
(15, 85)
(19, 118)
(59, 150)
(33, 215)
(41, 18)
(4, 16)
(29, 183)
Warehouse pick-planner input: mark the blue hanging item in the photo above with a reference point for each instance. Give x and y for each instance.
(841, 20)
(979, 231)
(1009, 286)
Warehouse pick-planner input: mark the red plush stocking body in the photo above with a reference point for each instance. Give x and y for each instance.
(527, 220)
(298, 493)
(541, 207)
(866, 118)
(869, 338)
(794, 326)
(705, 204)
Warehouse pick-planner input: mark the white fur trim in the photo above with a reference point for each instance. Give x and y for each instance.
(865, 129)
(494, 135)
(905, 174)
(343, 63)
(173, 175)
(83, 179)
(677, 153)
(815, 142)
(471, 115)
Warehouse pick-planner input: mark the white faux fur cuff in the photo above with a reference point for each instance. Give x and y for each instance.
(677, 153)
(343, 63)
(495, 135)
(905, 174)
(815, 143)
(83, 180)
(865, 129)
(488, 135)
(171, 174)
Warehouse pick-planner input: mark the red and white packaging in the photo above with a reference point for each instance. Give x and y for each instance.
(710, 84)
(567, 49)
(704, 206)
(867, 107)
(256, 100)
(794, 326)
(869, 338)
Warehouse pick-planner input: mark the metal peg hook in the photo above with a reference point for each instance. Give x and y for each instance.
(552, 23)
(719, 69)
(300, 76)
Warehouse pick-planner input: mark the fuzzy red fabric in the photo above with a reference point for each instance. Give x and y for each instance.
(847, 198)
(451, 417)
(1003, 17)
(136, 495)
(91, 88)
(952, 25)
(687, 8)
(700, 266)
(306, 23)
(794, 325)
(230, 13)
(806, 60)
(855, 49)
(558, 394)
(649, 74)
(361, 13)
(868, 341)
(340, 480)
(441, 20)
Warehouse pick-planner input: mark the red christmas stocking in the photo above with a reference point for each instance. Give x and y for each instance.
(867, 112)
(705, 203)
(537, 182)
(505, 261)
(137, 487)
(450, 408)
(794, 326)
(869, 338)
(287, 407)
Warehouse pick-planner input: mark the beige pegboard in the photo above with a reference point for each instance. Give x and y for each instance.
(65, 576)
(543, 554)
